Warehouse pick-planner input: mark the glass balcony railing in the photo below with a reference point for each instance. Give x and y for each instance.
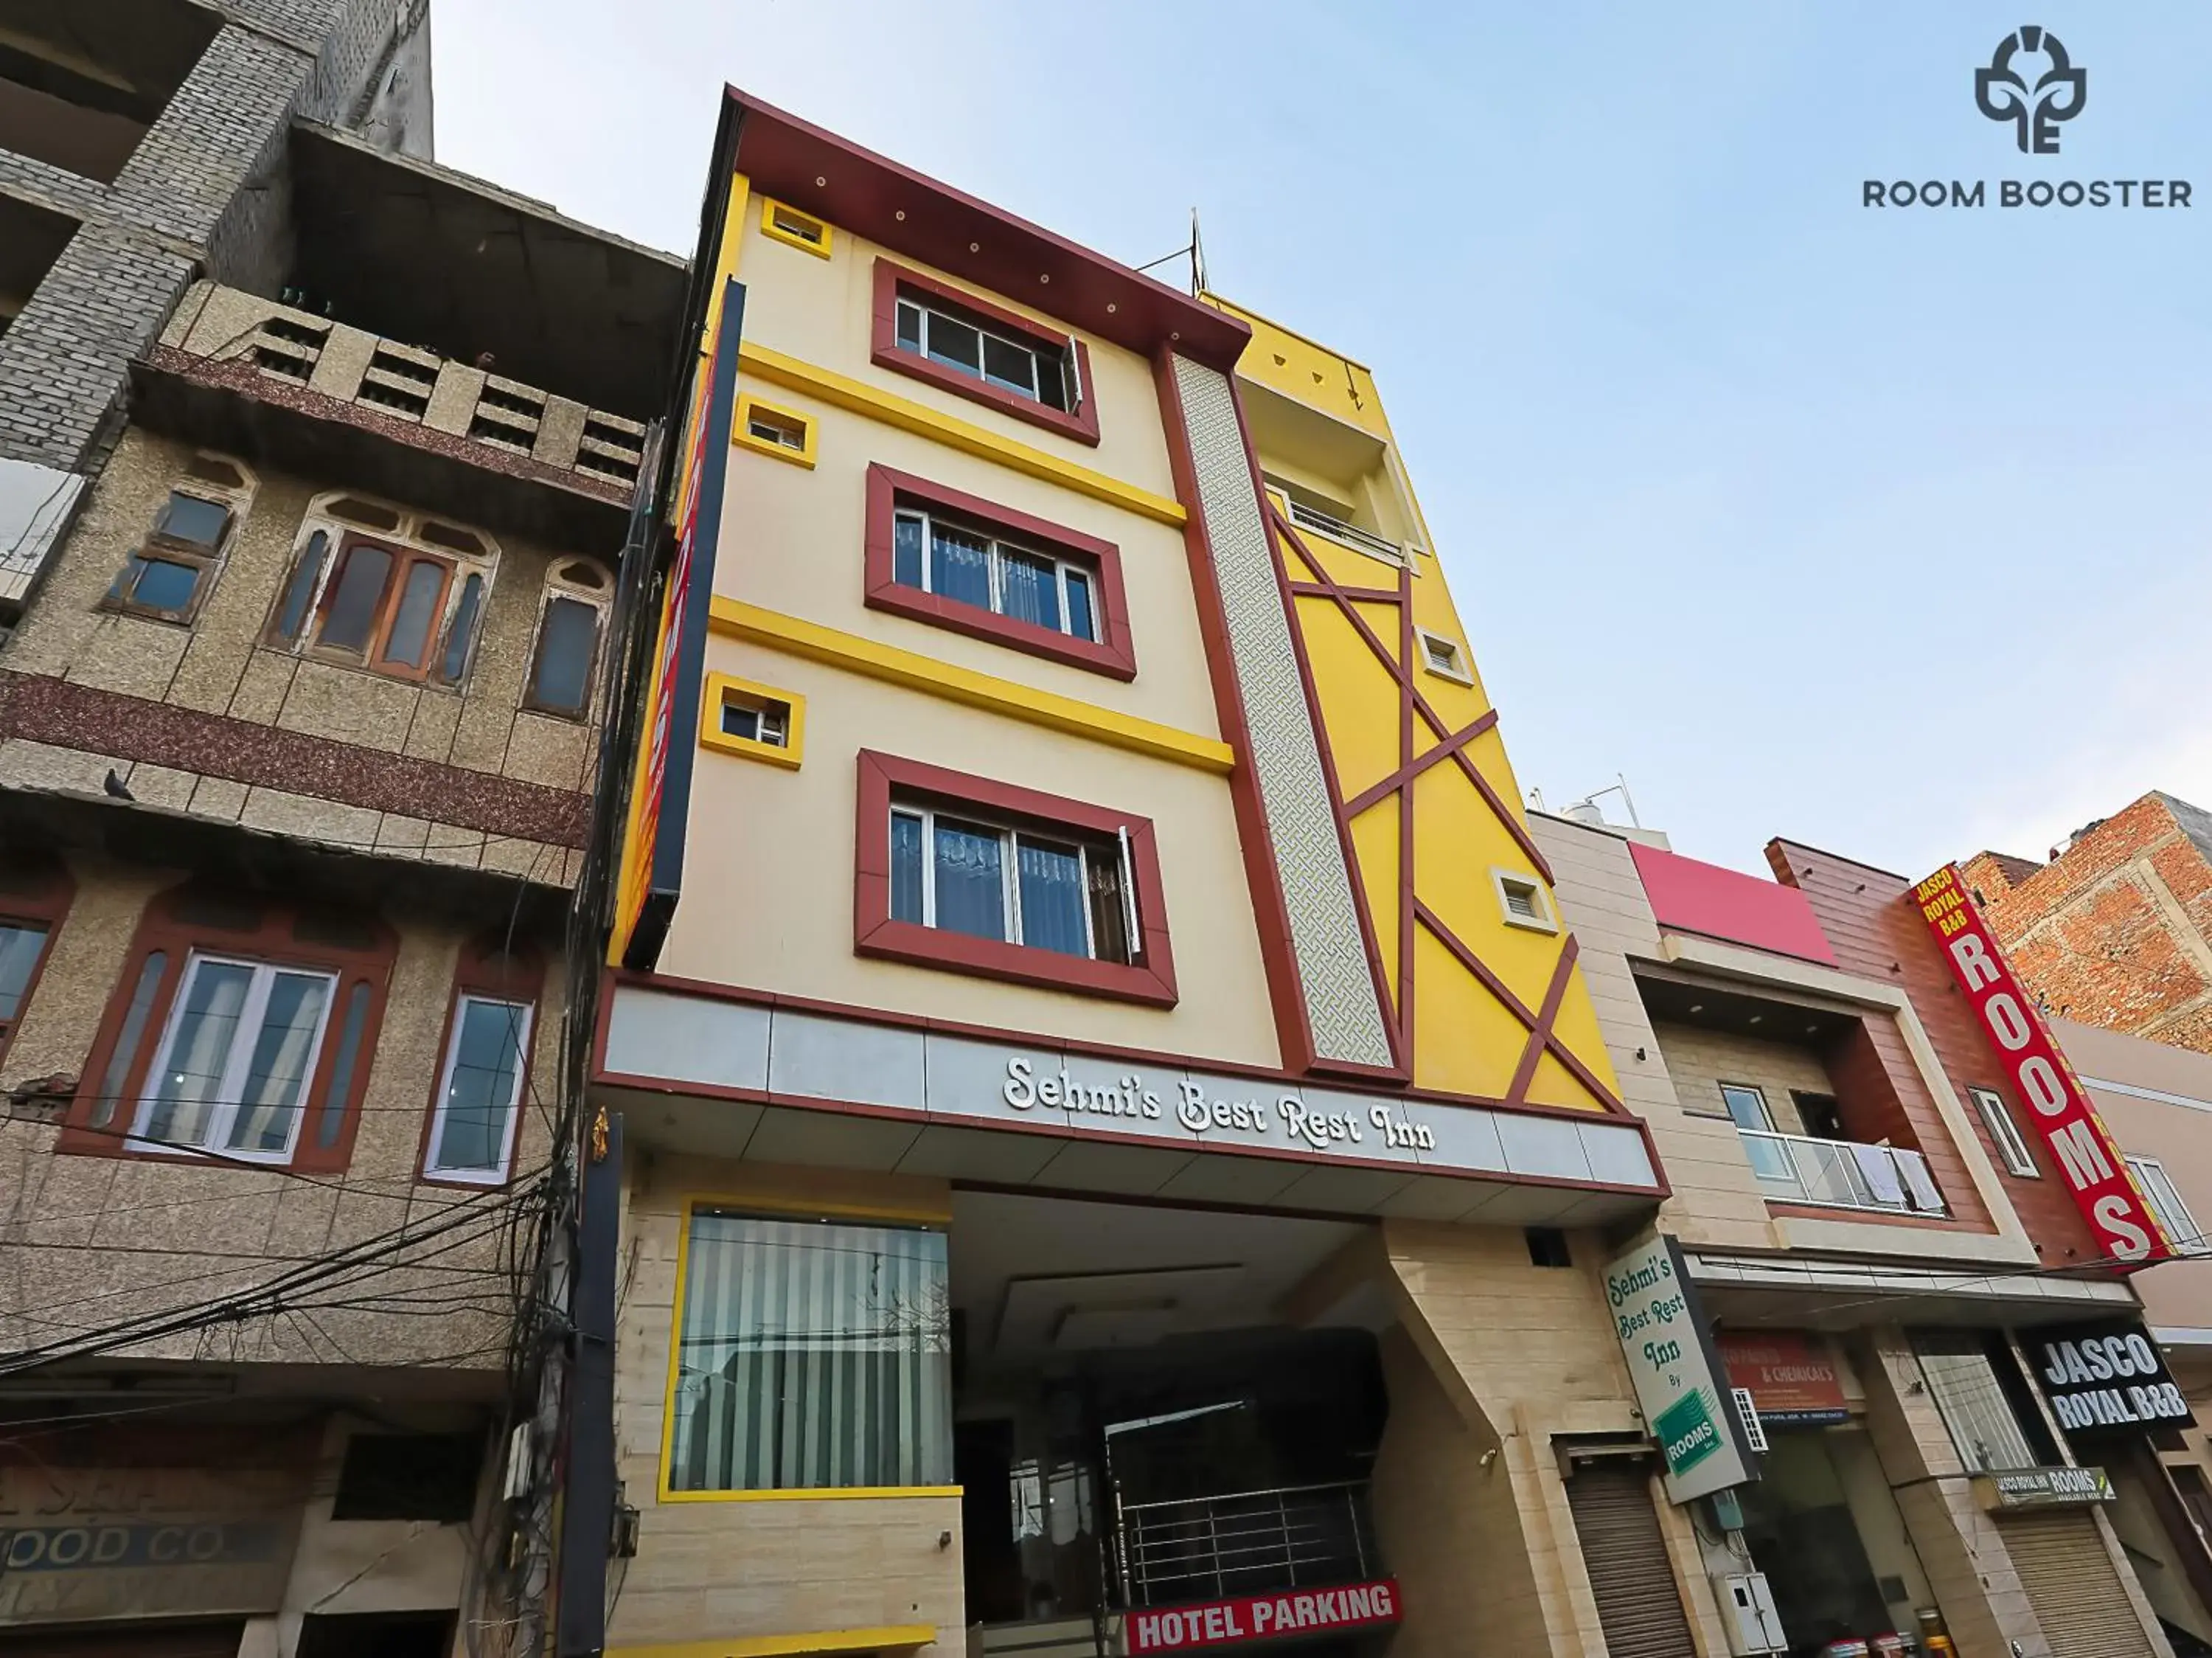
(1797, 1168)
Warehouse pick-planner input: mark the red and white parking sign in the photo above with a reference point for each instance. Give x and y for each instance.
(1263, 1617)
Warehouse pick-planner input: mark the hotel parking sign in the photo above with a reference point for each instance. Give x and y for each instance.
(1676, 1371)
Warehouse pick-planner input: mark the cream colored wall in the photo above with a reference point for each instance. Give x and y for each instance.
(1715, 1202)
(724, 1571)
(793, 541)
(1700, 1060)
(821, 311)
(98, 1240)
(768, 885)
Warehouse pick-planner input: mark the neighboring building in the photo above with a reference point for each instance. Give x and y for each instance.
(1111, 1143)
(2115, 931)
(298, 748)
(142, 145)
(1877, 1228)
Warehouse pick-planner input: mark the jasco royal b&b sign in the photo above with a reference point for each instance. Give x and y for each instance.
(2104, 1379)
(1263, 1618)
(2094, 1172)
(1677, 1373)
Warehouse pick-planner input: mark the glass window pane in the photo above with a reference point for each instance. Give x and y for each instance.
(566, 644)
(461, 632)
(910, 327)
(163, 585)
(907, 532)
(955, 345)
(960, 567)
(126, 1039)
(1052, 896)
(187, 1079)
(481, 1086)
(1009, 366)
(971, 894)
(348, 1055)
(1079, 607)
(283, 1061)
(300, 592)
(188, 518)
(811, 1357)
(739, 721)
(19, 953)
(1747, 1107)
(408, 644)
(1110, 910)
(906, 868)
(1973, 1403)
(1029, 590)
(356, 595)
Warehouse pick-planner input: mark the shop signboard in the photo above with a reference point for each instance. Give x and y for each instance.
(2106, 1380)
(2088, 1162)
(1790, 1375)
(2043, 1487)
(1303, 1612)
(1680, 1382)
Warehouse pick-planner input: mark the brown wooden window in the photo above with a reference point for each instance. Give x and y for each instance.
(965, 343)
(979, 876)
(378, 602)
(567, 651)
(34, 895)
(240, 1029)
(483, 1079)
(168, 576)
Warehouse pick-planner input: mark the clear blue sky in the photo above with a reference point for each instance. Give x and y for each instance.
(1882, 530)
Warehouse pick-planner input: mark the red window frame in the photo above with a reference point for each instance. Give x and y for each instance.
(1150, 979)
(487, 968)
(87, 1130)
(1081, 424)
(35, 891)
(1113, 653)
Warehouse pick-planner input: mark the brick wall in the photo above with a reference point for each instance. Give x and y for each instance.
(2116, 932)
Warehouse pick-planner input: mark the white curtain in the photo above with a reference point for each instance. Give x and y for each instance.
(188, 1081)
(283, 1055)
(812, 1355)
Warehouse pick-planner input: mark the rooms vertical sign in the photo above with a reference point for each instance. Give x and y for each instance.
(2089, 1163)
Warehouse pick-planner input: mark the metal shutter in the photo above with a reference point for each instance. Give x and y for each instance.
(1639, 1604)
(2077, 1596)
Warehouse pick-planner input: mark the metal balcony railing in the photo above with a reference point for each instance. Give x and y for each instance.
(1351, 535)
(1797, 1168)
(1245, 1543)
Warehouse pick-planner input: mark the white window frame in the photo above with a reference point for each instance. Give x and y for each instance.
(2168, 1206)
(1010, 875)
(1545, 920)
(1765, 1105)
(2012, 1147)
(1458, 673)
(773, 426)
(497, 1175)
(222, 1112)
(999, 547)
(1028, 347)
(771, 720)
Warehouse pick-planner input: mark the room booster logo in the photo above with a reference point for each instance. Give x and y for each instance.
(2002, 92)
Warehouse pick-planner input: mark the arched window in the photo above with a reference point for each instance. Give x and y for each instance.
(569, 624)
(240, 1029)
(169, 575)
(35, 891)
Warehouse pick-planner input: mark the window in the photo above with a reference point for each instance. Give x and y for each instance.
(34, 895)
(169, 576)
(1041, 890)
(810, 1356)
(965, 343)
(1548, 1247)
(1523, 901)
(472, 1131)
(232, 1071)
(784, 433)
(801, 230)
(1444, 657)
(2166, 1203)
(2004, 1133)
(238, 1028)
(977, 876)
(428, 1476)
(954, 560)
(1748, 1106)
(755, 721)
(1971, 1395)
(409, 603)
(567, 647)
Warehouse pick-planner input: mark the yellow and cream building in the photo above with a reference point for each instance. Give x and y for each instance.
(1105, 1143)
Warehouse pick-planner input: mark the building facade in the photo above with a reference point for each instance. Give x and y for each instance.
(299, 736)
(1111, 1141)
(2116, 929)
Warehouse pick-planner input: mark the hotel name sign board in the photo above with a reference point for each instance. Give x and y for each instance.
(1288, 1121)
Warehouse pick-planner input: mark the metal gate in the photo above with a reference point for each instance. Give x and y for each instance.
(2070, 1581)
(1639, 1605)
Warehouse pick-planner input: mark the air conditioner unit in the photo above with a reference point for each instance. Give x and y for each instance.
(1755, 1628)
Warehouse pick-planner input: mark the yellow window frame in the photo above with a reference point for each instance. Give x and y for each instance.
(770, 208)
(809, 429)
(716, 697)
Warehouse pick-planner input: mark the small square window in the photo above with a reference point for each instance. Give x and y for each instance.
(757, 722)
(783, 433)
(1444, 657)
(169, 576)
(1523, 901)
(798, 229)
